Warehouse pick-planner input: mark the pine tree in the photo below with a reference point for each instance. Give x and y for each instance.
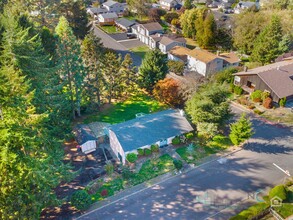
(70, 63)
(111, 75)
(92, 53)
(241, 130)
(154, 68)
(30, 156)
(128, 74)
(266, 47)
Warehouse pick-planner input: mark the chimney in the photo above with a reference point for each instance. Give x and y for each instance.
(245, 68)
(182, 112)
(218, 53)
(278, 67)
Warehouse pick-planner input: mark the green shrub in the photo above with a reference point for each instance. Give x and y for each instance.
(265, 95)
(176, 140)
(155, 148)
(232, 86)
(238, 90)
(126, 173)
(178, 164)
(279, 191)
(109, 168)
(256, 96)
(131, 158)
(140, 151)
(81, 200)
(147, 152)
(282, 102)
(189, 135)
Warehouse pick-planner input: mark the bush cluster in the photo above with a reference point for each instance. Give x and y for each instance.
(256, 96)
(282, 102)
(147, 152)
(178, 164)
(176, 140)
(131, 158)
(155, 148)
(279, 191)
(81, 200)
(238, 90)
(176, 67)
(189, 135)
(140, 151)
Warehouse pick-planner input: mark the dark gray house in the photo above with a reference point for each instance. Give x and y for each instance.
(276, 78)
(157, 128)
(125, 24)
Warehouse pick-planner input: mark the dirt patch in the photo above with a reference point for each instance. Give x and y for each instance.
(88, 168)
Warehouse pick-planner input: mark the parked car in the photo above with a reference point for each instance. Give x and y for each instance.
(131, 36)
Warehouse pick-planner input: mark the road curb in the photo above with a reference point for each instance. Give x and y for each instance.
(155, 181)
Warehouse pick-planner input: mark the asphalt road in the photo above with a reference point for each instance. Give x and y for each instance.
(206, 192)
(111, 43)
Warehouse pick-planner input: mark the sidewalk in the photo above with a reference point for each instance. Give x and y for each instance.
(157, 180)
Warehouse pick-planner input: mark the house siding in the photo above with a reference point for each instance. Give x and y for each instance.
(258, 83)
(116, 146)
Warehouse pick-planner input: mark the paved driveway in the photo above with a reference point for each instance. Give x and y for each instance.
(205, 193)
(109, 42)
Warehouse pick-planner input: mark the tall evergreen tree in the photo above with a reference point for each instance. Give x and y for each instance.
(111, 75)
(30, 157)
(266, 47)
(154, 68)
(70, 63)
(92, 53)
(128, 74)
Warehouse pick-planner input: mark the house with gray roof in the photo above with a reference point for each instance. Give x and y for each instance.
(157, 128)
(276, 78)
(107, 19)
(169, 41)
(124, 24)
(114, 7)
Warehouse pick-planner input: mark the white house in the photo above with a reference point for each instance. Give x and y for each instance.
(147, 33)
(202, 61)
(168, 42)
(169, 4)
(107, 19)
(157, 128)
(114, 7)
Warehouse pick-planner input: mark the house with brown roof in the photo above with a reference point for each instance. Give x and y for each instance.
(169, 41)
(178, 53)
(203, 61)
(276, 78)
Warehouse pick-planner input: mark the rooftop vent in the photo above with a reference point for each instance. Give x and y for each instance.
(139, 115)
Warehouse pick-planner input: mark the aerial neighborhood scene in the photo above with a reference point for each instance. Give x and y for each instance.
(146, 109)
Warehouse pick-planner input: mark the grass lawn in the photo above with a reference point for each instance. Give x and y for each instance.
(124, 111)
(137, 18)
(195, 153)
(110, 29)
(140, 51)
(285, 210)
(191, 44)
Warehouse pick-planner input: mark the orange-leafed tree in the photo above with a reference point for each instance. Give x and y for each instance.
(168, 91)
